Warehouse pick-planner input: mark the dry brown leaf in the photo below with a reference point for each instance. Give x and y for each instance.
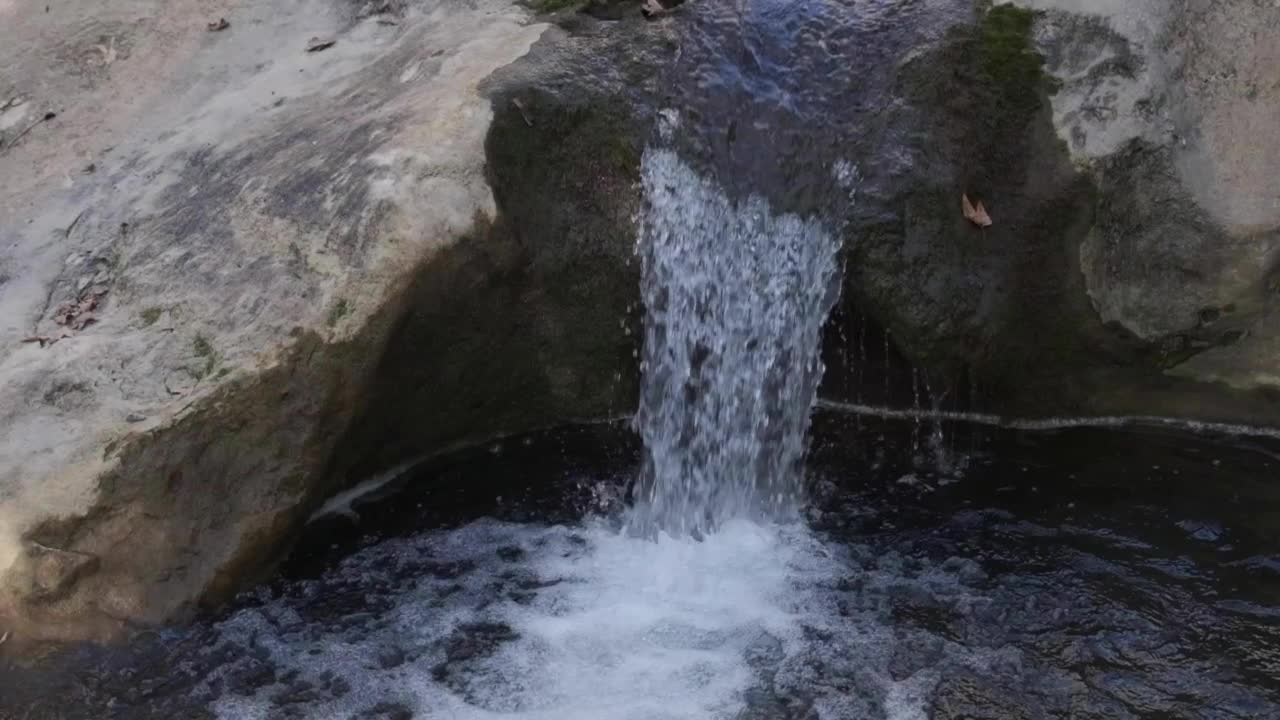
(78, 314)
(976, 214)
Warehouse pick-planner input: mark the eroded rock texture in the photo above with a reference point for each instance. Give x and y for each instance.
(302, 265)
(1126, 156)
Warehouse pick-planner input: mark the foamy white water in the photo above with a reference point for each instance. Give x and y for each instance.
(713, 611)
(517, 621)
(735, 298)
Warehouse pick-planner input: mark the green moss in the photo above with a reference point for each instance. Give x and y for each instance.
(623, 153)
(339, 310)
(150, 316)
(1008, 59)
(202, 348)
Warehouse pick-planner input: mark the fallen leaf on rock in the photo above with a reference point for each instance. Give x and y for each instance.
(219, 26)
(83, 322)
(78, 314)
(976, 214)
(316, 44)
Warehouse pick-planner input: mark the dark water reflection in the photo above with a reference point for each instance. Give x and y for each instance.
(1133, 574)
(1077, 574)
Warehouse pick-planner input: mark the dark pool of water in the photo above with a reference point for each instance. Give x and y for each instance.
(983, 574)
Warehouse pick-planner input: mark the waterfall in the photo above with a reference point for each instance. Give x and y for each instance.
(735, 298)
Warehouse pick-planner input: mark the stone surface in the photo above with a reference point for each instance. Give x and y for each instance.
(1131, 178)
(305, 267)
(1175, 117)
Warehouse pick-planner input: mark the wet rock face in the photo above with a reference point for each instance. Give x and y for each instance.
(1169, 119)
(1000, 306)
(1168, 115)
(1116, 277)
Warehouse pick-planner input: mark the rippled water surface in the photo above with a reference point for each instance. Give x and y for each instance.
(1081, 574)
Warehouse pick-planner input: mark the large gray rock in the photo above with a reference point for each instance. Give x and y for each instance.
(1172, 106)
(302, 266)
(1127, 152)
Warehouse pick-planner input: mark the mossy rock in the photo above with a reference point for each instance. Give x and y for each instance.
(1004, 306)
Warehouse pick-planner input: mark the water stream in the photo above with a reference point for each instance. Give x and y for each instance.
(733, 553)
(735, 301)
(1084, 573)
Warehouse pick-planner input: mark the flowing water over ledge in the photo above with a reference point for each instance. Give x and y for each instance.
(1077, 574)
(735, 300)
(935, 571)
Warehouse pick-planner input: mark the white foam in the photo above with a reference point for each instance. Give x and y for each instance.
(631, 628)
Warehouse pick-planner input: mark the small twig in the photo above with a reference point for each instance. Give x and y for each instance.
(46, 118)
(168, 389)
(184, 408)
(73, 224)
(520, 106)
(47, 548)
(44, 340)
(316, 44)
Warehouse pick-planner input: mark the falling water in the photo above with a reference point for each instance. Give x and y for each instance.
(735, 298)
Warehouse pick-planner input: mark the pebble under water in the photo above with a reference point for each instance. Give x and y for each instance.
(1075, 574)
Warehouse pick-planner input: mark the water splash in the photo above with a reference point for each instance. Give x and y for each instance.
(735, 299)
